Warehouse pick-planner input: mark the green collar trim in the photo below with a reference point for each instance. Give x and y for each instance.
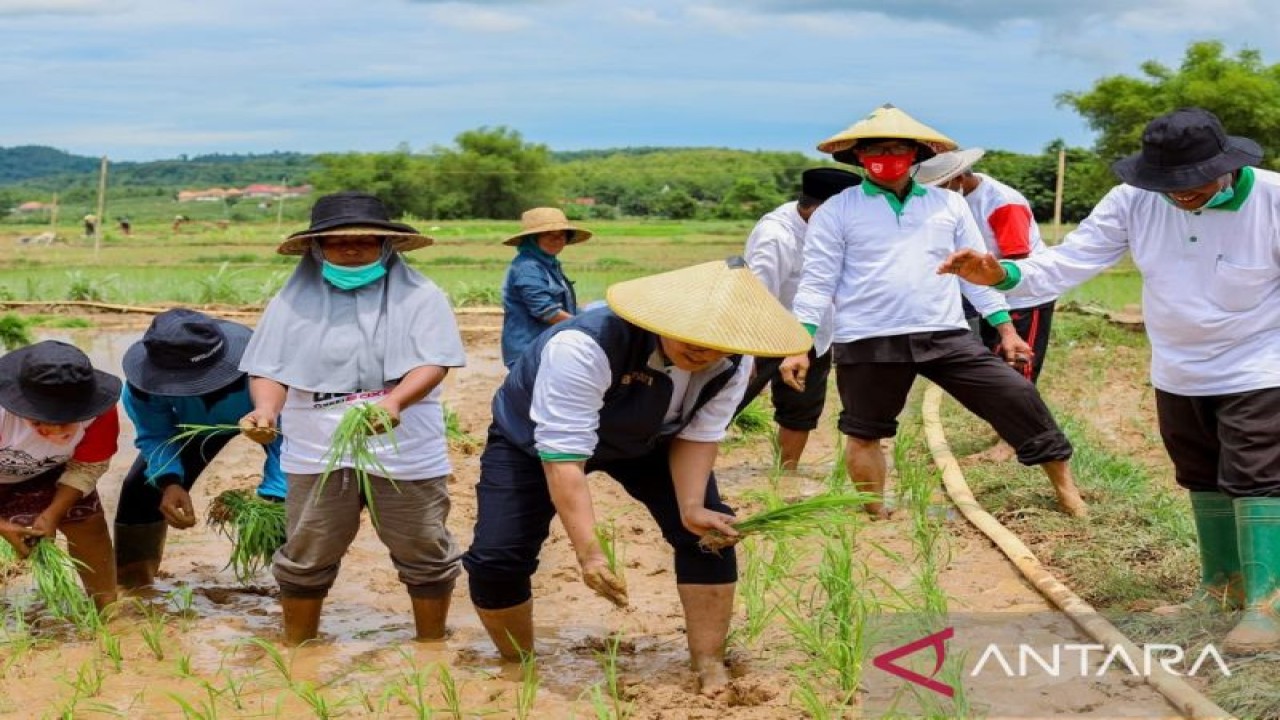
(915, 189)
(1243, 185)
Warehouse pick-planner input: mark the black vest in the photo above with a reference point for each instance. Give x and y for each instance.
(635, 403)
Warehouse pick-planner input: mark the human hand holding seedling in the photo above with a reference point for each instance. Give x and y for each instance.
(701, 520)
(597, 575)
(392, 418)
(176, 507)
(259, 426)
(16, 536)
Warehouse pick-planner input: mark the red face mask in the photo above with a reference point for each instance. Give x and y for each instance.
(887, 168)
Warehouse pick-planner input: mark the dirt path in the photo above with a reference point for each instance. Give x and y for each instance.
(366, 626)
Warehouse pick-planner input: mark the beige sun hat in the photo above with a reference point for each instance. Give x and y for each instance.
(889, 122)
(719, 305)
(944, 166)
(546, 219)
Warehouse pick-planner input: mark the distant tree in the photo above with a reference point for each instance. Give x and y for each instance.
(492, 173)
(676, 204)
(399, 179)
(1243, 91)
(748, 198)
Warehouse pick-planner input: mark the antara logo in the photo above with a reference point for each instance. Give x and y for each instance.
(887, 661)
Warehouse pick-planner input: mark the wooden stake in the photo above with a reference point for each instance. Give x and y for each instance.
(102, 204)
(284, 183)
(1057, 194)
(53, 215)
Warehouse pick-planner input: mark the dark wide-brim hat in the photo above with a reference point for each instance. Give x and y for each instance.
(54, 382)
(824, 183)
(353, 213)
(186, 353)
(1184, 149)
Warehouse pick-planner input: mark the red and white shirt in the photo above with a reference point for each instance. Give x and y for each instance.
(26, 453)
(1008, 227)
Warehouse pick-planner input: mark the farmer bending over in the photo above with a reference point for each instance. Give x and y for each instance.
(58, 431)
(1200, 222)
(184, 371)
(353, 325)
(642, 390)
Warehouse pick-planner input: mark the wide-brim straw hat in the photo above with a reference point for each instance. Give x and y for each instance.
(718, 305)
(353, 213)
(547, 219)
(944, 166)
(1185, 149)
(886, 123)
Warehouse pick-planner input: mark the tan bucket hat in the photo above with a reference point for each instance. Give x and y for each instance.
(400, 241)
(944, 166)
(719, 305)
(890, 122)
(546, 219)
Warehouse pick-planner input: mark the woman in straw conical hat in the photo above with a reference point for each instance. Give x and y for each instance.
(875, 253)
(642, 390)
(536, 294)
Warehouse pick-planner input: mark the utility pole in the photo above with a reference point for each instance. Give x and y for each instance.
(53, 215)
(1057, 194)
(284, 185)
(102, 206)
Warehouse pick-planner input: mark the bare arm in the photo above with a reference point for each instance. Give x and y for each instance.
(567, 483)
(691, 465)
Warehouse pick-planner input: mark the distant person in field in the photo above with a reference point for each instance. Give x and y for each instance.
(642, 390)
(536, 294)
(126, 226)
(775, 254)
(873, 251)
(90, 225)
(1010, 232)
(1202, 224)
(58, 432)
(184, 371)
(355, 324)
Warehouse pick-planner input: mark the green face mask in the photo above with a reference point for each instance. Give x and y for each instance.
(351, 278)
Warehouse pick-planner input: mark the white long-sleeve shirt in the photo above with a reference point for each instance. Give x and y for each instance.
(775, 254)
(1210, 281)
(575, 374)
(879, 266)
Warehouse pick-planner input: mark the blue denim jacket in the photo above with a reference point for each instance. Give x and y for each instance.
(535, 290)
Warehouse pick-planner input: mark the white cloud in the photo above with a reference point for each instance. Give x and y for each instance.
(476, 19)
(88, 137)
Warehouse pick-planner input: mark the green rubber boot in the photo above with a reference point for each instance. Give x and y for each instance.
(1221, 584)
(1258, 527)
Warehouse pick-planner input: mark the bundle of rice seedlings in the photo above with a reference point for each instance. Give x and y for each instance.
(607, 536)
(459, 439)
(9, 560)
(255, 527)
(755, 418)
(803, 517)
(58, 585)
(353, 439)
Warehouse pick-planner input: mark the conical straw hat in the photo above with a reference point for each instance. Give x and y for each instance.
(718, 305)
(886, 121)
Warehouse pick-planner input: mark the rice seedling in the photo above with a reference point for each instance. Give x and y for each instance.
(277, 658)
(109, 645)
(449, 689)
(803, 517)
(608, 659)
(220, 287)
(607, 535)
(755, 419)
(527, 695)
(476, 294)
(255, 526)
(207, 709)
(309, 693)
(57, 584)
(410, 688)
(14, 331)
(87, 682)
(10, 563)
(153, 637)
(761, 573)
(184, 666)
(182, 599)
(352, 442)
(82, 287)
(459, 439)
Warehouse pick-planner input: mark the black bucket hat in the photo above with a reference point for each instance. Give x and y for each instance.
(353, 213)
(1184, 149)
(186, 353)
(54, 382)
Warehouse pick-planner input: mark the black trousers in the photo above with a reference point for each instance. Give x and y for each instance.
(792, 410)
(1223, 443)
(514, 517)
(1033, 325)
(140, 500)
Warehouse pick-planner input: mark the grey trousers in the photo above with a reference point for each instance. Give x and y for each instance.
(322, 523)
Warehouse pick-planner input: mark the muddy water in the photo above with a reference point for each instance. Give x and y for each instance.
(368, 666)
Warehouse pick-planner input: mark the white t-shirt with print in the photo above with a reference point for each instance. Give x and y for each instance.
(308, 420)
(25, 453)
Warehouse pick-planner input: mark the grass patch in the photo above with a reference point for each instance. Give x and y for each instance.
(15, 331)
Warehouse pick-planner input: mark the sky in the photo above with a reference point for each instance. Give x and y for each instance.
(151, 79)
